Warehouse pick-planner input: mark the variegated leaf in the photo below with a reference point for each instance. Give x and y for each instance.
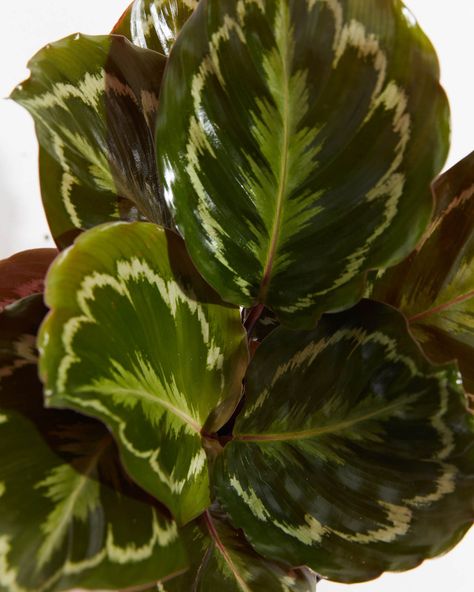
(361, 451)
(155, 24)
(297, 143)
(69, 516)
(434, 286)
(137, 339)
(224, 561)
(22, 274)
(94, 103)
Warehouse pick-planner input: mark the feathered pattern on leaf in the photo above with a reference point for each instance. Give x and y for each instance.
(67, 505)
(94, 102)
(297, 141)
(135, 332)
(352, 453)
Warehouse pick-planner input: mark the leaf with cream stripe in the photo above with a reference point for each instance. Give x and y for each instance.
(155, 24)
(135, 332)
(63, 492)
(94, 103)
(294, 138)
(362, 452)
(434, 286)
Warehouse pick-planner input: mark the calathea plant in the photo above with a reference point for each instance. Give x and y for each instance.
(255, 341)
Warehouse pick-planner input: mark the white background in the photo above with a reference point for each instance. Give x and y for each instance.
(27, 25)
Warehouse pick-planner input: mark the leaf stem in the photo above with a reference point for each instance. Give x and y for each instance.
(253, 317)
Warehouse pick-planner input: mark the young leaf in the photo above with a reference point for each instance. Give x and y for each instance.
(137, 339)
(155, 24)
(23, 274)
(434, 286)
(94, 103)
(225, 561)
(361, 451)
(297, 144)
(70, 515)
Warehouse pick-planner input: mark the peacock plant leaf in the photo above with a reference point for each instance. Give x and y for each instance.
(67, 505)
(23, 273)
(94, 103)
(361, 451)
(297, 141)
(137, 339)
(155, 24)
(223, 560)
(434, 286)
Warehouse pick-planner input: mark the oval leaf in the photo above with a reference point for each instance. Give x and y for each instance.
(223, 560)
(361, 451)
(23, 274)
(63, 492)
(155, 24)
(135, 332)
(297, 144)
(434, 286)
(94, 103)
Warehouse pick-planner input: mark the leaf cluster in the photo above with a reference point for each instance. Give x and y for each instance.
(250, 362)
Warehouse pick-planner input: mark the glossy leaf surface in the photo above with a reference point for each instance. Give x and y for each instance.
(361, 451)
(434, 286)
(225, 561)
(155, 24)
(136, 333)
(67, 505)
(94, 103)
(23, 273)
(297, 143)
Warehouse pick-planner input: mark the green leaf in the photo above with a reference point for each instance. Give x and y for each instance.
(434, 286)
(361, 451)
(94, 103)
(63, 492)
(22, 274)
(135, 332)
(297, 144)
(224, 561)
(155, 24)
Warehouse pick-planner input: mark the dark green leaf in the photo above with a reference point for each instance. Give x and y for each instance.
(352, 453)
(224, 561)
(69, 516)
(94, 103)
(434, 286)
(297, 143)
(23, 274)
(136, 333)
(155, 24)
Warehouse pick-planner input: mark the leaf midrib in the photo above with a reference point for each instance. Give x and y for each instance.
(319, 431)
(441, 307)
(81, 483)
(283, 180)
(187, 419)
(222, 549)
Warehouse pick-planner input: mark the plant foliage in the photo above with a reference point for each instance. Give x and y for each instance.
(249, 365)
